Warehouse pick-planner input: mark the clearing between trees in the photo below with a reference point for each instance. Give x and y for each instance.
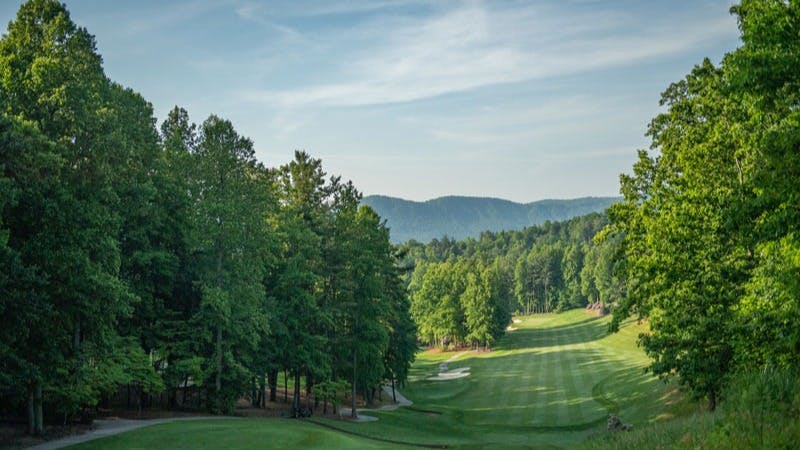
(551, 383)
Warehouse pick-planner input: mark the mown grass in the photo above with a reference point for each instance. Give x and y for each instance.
(235, 434)
(549, 384)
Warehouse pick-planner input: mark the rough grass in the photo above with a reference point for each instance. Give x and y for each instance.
(549, 384)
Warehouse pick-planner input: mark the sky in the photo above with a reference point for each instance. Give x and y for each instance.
(419, 99)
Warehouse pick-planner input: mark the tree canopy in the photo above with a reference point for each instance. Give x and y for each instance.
(709, 212)
(170, 259)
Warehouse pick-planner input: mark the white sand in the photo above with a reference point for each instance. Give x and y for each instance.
(454, 374)
(401, 401)
(455, 357)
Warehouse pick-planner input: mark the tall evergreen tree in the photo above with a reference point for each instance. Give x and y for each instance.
(231, 206)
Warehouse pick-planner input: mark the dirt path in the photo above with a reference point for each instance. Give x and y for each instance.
(111, 427)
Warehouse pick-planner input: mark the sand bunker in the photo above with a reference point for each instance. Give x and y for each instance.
(454, 374)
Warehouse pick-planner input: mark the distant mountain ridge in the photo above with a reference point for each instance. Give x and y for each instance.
(462, 217)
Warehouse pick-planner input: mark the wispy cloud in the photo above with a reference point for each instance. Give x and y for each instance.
(171, 15)
(406, 58)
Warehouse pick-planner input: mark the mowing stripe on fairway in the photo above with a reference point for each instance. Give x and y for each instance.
(390, 441)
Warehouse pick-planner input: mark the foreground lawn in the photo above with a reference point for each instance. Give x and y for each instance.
(234, 434)
(549, 384)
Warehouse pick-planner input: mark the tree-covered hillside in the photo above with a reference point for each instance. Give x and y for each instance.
(169, 260)
(463, 292)
(463, 217)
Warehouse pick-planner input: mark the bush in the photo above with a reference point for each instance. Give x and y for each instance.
(761, 410)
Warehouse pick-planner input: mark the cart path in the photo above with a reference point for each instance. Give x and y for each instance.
(106, 427)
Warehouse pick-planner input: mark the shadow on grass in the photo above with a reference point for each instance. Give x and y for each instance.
(539, 381)
(587, 330)
(366, 436)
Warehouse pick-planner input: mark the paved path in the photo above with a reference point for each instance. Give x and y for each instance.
(401, 401)
(111, 427)
(105, 428)
(456, 356)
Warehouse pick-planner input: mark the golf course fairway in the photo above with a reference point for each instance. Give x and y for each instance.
(551, 383)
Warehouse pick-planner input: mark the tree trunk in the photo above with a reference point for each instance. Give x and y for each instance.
(37, 409)
(296, 397)
(185, 388)
(712, 400)
(262, 392)
(272, 379)
(172, 398)
(394, 393)
(31, 414)
(309, 385)
(255, 400)
(354, 413)
(218, 378)
(76, 337)
(285, 386)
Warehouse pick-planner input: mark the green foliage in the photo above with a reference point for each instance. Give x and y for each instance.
(172, 259)
(465, 291)
(328, 390)
(72, 166)
(707, 222)
(769, 312)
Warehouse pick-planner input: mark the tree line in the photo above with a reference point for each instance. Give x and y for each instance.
(710, 214)
(464, 292)
(168, 258)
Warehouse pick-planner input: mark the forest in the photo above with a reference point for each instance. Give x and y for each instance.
(709, 220)
(168, 258)
(464, 292)
(467, 217)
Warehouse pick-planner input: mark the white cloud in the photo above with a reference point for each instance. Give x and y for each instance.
(394, 59)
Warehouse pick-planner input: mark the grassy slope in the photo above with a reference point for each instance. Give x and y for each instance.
(234, 433)
(549, 384)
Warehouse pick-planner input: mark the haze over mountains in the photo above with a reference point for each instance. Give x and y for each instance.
(462, 217)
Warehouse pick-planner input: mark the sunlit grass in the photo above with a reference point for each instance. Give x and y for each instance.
(549, 384)
(552, 382)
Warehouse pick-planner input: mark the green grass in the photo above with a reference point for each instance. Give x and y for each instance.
(549, 384)
(234, 434)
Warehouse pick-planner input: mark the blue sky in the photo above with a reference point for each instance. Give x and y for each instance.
(419, 99)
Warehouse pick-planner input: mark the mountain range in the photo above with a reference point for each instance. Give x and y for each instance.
(461, 217)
